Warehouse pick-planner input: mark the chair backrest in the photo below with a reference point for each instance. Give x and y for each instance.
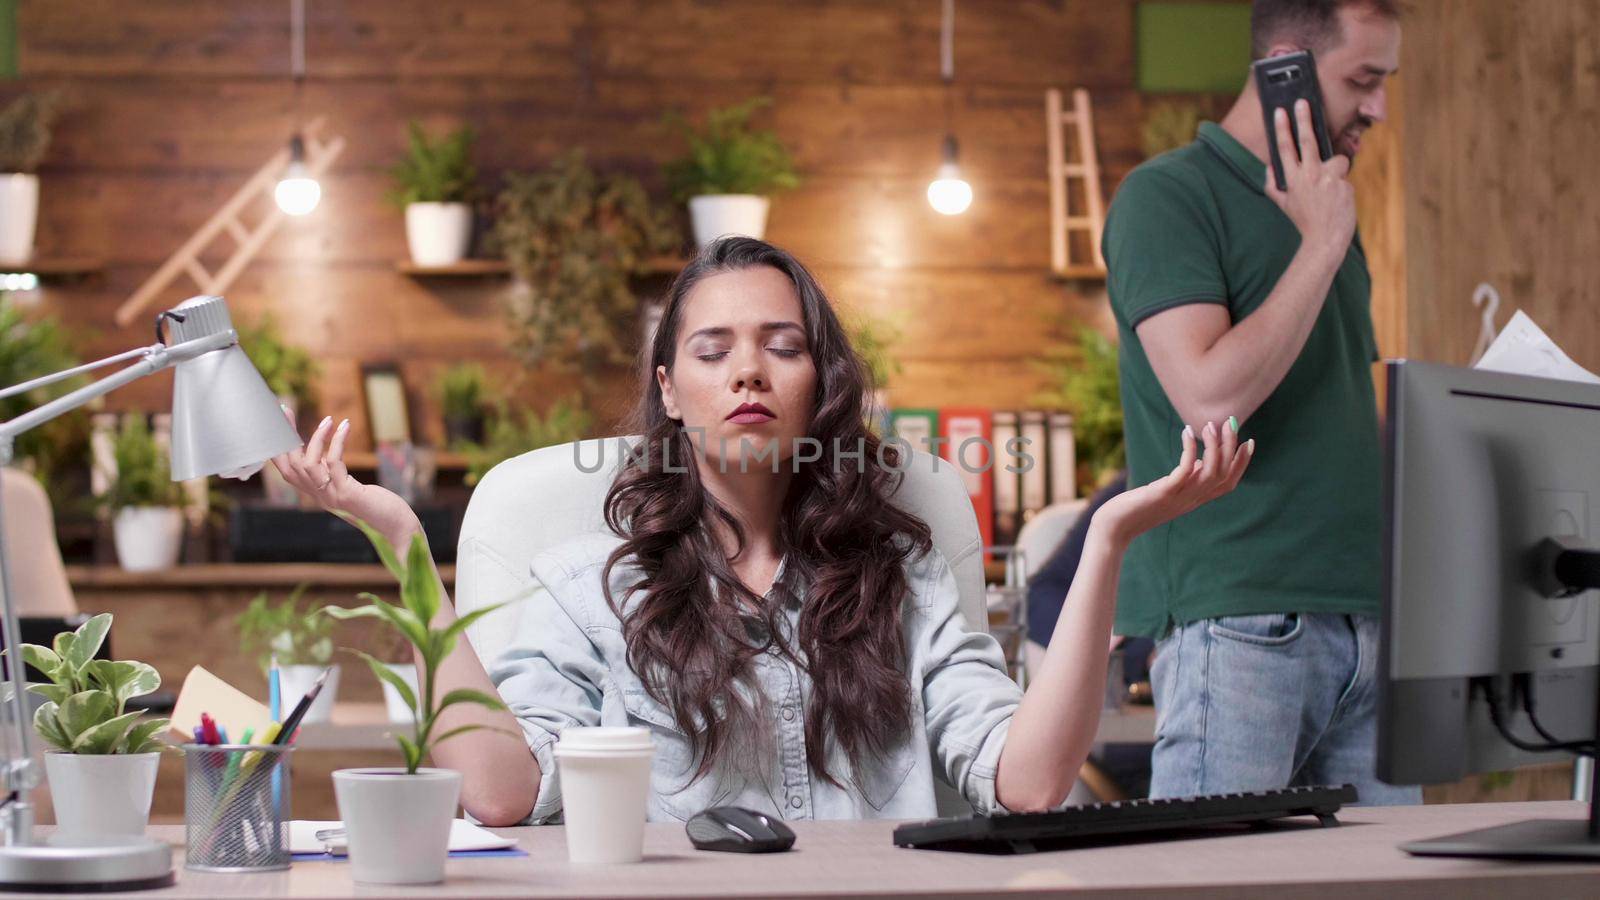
(1043, 533)
(539, 499)
(38, 580)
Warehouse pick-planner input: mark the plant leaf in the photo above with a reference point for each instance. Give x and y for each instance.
(46, 720)
(412, 752)
(379, 543)
(83, 711)
(105, 736)
(89, 636)
(141, 738)
(461, 624)
(56, 693)
(42, 658)
(419, 591)
(469, 695)
(388, 676)
(124, 678)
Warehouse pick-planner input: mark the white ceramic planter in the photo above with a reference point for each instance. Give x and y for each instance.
(717, 215)
(101, 794)
(19, 211)
(398, 710)
(148, 538)
(398, 825)
(295, 682)
(438, 233)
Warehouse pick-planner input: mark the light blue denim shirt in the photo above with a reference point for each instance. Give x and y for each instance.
(567, 664)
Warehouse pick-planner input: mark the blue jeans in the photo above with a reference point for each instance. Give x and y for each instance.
(1251, 703)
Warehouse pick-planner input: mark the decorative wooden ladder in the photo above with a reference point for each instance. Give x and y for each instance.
(248, 241)
(1066, 259)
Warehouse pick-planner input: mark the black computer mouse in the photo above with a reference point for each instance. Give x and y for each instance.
(738, 830)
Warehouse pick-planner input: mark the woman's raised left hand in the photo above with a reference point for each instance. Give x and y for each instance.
(1197, 480)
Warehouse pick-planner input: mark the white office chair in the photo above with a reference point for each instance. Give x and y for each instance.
(539, 499)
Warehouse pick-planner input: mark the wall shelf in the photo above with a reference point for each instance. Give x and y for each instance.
(55, 268)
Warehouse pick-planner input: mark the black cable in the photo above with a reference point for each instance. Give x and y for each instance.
(1522, 683)
(1493, 698)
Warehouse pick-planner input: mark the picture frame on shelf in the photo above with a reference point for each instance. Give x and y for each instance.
(388, 413)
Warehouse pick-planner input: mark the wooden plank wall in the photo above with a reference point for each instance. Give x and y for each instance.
(1502, 108)
(177, 101)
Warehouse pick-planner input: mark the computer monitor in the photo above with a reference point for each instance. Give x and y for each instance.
(1489, 478)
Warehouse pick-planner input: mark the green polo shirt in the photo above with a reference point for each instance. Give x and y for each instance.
(1301, 533)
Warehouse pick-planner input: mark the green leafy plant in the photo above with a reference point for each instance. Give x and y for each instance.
(1085, 383)
(1168, 126)
(289, 371)
(144, 474)
(85, 702)
(435, 172)
(727, 157)
(462, 390)
(419, 603)
(32, 348)
(513, 434)
(284, 633)
(874, 339)
(574, 239)
(25, 130)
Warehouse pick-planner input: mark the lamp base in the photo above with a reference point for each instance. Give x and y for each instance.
(66, 863)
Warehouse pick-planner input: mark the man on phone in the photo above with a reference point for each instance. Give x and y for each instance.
(1246, 310)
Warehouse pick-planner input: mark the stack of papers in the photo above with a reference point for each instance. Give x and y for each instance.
(463, 836)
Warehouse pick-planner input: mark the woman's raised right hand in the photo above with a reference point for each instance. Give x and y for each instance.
(317, 470)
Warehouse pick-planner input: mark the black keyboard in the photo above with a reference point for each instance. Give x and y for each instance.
(1116, 822)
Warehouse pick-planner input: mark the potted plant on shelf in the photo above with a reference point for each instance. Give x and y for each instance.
(435, 185)
(512, 434)
(873, 339)
(32, 346)
(102, 765)
(730, 172)
(462, 398)
(24, 138)
(290, 373)
(301, 645)
(398, 819)
(1085, 383)
(394, 652)
(146, 504)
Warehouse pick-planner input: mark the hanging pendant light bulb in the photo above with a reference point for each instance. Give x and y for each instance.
(297, 192)
(949, 193)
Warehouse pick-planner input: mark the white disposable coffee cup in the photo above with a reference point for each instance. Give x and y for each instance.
(605, 791)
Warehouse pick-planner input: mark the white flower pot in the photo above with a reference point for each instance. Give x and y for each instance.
(398, 710)
(438, 233)
(398, 825)
(295, 682)
(19, 211)
(148, 538)
(101, 794)
(716, 215)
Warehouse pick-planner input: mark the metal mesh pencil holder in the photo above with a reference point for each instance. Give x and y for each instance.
(236, 807)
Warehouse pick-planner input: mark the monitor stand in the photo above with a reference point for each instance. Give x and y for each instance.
(1546, 839)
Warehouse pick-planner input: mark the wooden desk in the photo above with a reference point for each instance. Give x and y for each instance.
(857, 858)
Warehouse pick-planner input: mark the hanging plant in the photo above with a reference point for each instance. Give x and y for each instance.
(574, 239)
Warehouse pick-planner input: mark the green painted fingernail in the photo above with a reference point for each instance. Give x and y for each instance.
(1234, 424)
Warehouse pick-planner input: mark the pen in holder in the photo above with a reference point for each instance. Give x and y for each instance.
(236, 807)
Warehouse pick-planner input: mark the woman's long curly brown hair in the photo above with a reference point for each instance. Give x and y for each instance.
(845, 548)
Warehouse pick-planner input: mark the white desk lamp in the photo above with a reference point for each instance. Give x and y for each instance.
(225, 421)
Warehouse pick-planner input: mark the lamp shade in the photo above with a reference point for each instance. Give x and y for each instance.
(225, 420)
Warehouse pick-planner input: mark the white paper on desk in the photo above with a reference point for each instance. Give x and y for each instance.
(1522, 348)
(464, 835)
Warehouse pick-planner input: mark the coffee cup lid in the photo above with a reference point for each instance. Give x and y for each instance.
(604, 739)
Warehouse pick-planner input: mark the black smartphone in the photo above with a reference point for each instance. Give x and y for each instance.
(1280, 81)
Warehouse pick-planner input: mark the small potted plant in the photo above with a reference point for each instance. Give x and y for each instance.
(24, 138)
(435, 185)
(398, 819)
(301, 645)
(462, 398)
(1084, 382)
(873, 339)
(290, 373)
(102, 765)
(146, 504)
(730, 172)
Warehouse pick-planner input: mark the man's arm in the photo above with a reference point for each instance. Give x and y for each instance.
(1212, 368)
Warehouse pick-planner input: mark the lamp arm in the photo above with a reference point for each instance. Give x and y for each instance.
(17, 775)
(155, 358)
(63, 375)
